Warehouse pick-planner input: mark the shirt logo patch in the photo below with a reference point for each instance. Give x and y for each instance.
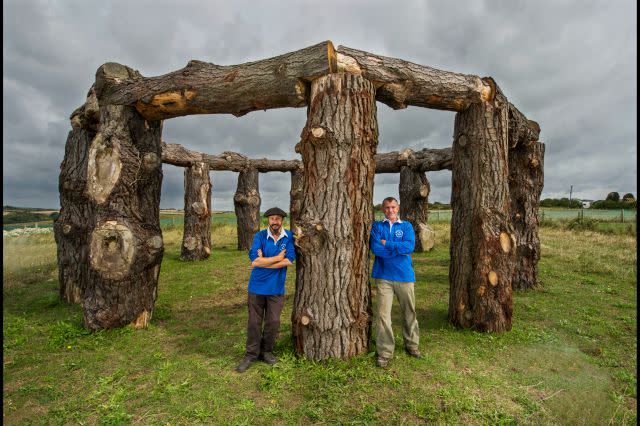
(399, 233)
(283, 246)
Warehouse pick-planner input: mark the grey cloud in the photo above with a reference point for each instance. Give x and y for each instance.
(570, 65)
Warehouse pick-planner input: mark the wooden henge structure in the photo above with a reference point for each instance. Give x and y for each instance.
(414, 191)
(108, 236)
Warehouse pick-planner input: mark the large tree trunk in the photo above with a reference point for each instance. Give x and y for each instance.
(110, 193)
(204, 88)
(526, 179)
(414, 191)
(73, 227)
(196, 240)
(482, 237)
(295, 197)
(332, 306)
(247, 205)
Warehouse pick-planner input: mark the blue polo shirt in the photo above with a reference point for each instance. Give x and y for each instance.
(265, 281)
(393, 260)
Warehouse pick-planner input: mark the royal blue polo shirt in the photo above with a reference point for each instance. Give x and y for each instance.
(393, 260)
(265, 281)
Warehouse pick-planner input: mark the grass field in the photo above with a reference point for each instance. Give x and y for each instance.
(569, 359)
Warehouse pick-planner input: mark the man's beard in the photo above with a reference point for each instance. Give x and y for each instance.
(275, 229)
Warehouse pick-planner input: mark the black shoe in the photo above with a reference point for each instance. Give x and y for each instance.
(269, 358)
(244, 364)
(414, 353)
(383, 362)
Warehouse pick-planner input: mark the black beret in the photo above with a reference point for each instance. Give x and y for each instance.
(275, 211)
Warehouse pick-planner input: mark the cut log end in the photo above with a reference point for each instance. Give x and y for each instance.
(348, 64)
(332, 57)
(317, 132)
(305, 320)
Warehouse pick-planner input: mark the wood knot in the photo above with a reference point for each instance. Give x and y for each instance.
(154, 242)
(505, 242)
(66, 228)
(317, 132)
(462, 141)
(305, 320)
(190, 243)
(150, 161)
(493, 278)
(112, 249)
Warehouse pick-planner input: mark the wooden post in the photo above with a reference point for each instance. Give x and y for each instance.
(110, 193)
(526, 179)
(196, 240)
(247, 206)
(332, 306)
(482, 237)
(414, 191)
(295, 197)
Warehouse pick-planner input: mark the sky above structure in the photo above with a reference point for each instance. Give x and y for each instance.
(569, 65)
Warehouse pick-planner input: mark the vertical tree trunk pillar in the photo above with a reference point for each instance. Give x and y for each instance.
(414, 191)
(73, 227)
(196, 240)
(332, 305)
(295, 197)
(247, 206)
(526, 179)
(118, 209)
(482, 237)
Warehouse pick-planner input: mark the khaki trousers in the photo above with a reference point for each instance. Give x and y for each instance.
(385, 342)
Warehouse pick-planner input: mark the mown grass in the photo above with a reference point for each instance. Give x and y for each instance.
(569, 359)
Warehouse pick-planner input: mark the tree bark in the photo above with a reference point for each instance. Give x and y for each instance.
(247, 205)
(526, 179)
(522, 132)
(401, 83)
(205, 88)
(73, 227)
(196, 239)
(109, 225)
(482, 237)
(332, 307)
(414, 191)
(295, 197)
(125, 246)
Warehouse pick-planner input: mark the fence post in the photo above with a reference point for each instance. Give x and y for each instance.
(622, 215)
(437, 216)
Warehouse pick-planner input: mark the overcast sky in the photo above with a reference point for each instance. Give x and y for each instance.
(569, 65)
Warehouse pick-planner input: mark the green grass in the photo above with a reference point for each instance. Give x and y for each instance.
(569, 359)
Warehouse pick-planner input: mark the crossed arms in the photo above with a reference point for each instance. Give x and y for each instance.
(387, 249)
(274, 262)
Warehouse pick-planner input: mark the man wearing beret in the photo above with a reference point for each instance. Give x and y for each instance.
(392, 241)
(272, 251)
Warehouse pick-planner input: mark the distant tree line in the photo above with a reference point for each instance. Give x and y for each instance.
(613, 201)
